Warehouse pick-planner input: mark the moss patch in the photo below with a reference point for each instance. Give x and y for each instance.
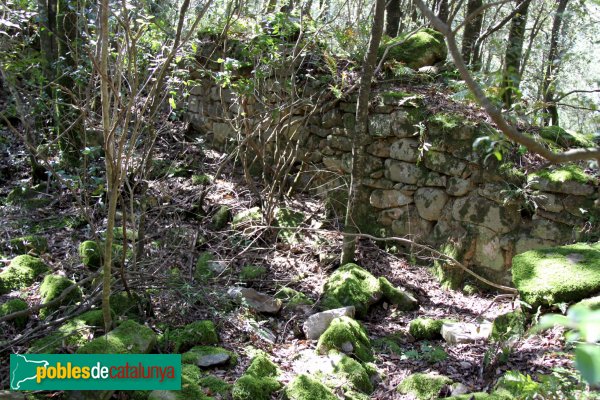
(90, 254)
(348, 336)
(286, 218)
(423, 386)
(426, 328)
(202, 271)
(70, 335)
(293, 298)
(483, 396)
(351, 285)
(559, 274)
(12, 306)
(201, 179)
(194, 334)
(25, 244)
(213, 385)
(304, 387)
(592, 303)
(404, 300)
(425, 47)
(22, 272)
(221, 218)
(563, 138)
(252, 272)
(259, 381)
(190, 387)
(128, 338)
(563, 174)
(246, 217)
(351, 371)
(52, 287)
(124, 305)
(508, 325)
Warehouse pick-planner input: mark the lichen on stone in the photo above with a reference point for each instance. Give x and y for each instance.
(305, 387)
(52, 287)
(348, 336)
(426, 328)
(423, 386)
(556, 275)
(90, 254)
(12, 306)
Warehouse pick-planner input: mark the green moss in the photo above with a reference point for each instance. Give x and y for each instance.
(90, 254)
(425, 47)
(190, 387)
(470, 289)
(128, 338)
(286, 218)
(293, 298)
(483, 396)
(351, 285)
(347, 335)
(124, 305)
(52, 287)
(389, 344)
(423, 386)
(252, 272)
(195, 353)
(304, 387)
(512, 174)
(201, 179)
(556, 275)
(245, 217)
(70, 335)
(508, 325)
(92, 318)
(450, 277)
(202, 271)
(350, 370)
(14, 305)
(563, 138)
(592, 303)
(447, 122)
(402, 299)
(22, 272)
(425, 328)
(196, 333)
(396, 95)
(29, 197)
(25, 244)
(562, 174)
(215, 385)
(259, 381)
(221, 218)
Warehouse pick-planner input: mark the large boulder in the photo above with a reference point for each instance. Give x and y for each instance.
(557, 275)
(426, 47)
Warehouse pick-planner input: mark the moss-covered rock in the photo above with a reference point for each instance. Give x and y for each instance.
(90, 254)
(201, 179)
(22, 272)
(351, 371)
(202, 271)
(564, 138)
(498, 395)
(305, 387)
(12, 306)
(252, 272)
(221, 218)
(286, 218)
(190, 387)
(194, 334)
(426, 47)
(215, 386)
(259, 381)
(124, 305)
(292, 298)
(52, 287)
(208, 356)
(426, 328)
(348, 336)
(246, 217)
(558, 274)
(351, 285)
(562, 174)
(128, 338)
(70, 335)
(403, 299)
(508, 325)
(423, 386)
(29, 197)
(31, 243)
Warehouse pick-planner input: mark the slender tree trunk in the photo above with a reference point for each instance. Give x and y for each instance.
(360, 135)
(110, 168)
(393, 16)
(472, 31)
(513, 55)
(549, 88)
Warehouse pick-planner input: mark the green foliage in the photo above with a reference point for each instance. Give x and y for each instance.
(90, 254)
(259, 381)
(21, 272)
(304, 387)
(423, 386)
(25, 244)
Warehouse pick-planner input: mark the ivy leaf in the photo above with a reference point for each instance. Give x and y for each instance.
(587, 360)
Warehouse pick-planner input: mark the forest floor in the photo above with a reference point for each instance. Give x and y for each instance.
(178, 233)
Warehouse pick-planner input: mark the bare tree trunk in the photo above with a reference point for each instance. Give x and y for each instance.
(360, 135)
(549, 88)
(393, 16)
(513, 55)
(472, 30)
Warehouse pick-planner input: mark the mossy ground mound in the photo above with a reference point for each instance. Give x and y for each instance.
(564, 138)
(252, 272)
(22, 272)
(52, 287)
(423, 386)
(426, 47)
(352, 285)
(286, 218)
(351, 371)
(292, 298)
(305, 387)
(190, 387)
(348, 336)
(221, 218)
(25, 244)
(128, 338)
(259, 381)
(12, 306)
(425, 328)
(558, 274)
(90, 254)
(70, 335)
(194, 334)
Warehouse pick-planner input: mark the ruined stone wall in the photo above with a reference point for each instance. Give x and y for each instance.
(424, 178)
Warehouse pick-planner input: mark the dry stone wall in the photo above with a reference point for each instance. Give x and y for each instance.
(423, 178)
